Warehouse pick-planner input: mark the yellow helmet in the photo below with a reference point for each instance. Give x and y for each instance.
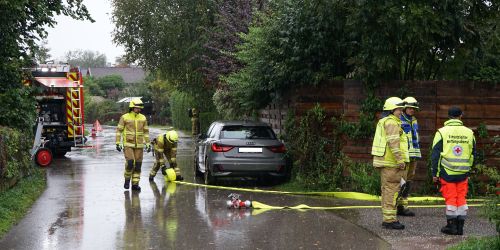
(171, 176)
(411, 102)
(172, 136)
(136, 103)
(393, 103)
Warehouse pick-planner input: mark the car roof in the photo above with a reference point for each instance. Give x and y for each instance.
(243, 122)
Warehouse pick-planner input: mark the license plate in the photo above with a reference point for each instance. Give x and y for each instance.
(250, 150)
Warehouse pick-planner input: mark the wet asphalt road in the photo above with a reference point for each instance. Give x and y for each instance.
(86, 207)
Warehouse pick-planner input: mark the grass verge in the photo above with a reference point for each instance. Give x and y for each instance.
(488, 242)
(16, 201)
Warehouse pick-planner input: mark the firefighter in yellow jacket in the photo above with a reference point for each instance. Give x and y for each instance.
(133, 129)
(166, 144)
(390, 156)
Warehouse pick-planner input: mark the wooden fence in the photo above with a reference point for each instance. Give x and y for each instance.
(479, 101)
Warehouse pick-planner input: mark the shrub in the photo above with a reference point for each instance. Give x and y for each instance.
(15, 160)
(315, 154)
(362, 177)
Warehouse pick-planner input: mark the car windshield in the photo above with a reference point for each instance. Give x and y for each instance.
(247, 132)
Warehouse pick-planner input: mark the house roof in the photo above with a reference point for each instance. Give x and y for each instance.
(129, 74)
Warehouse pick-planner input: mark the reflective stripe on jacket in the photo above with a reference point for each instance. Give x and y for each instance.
(410, 127)
(162, 143)
(457, 155)
(134, 130)
(390, 144)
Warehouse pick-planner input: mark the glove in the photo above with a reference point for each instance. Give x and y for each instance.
(148, 147)
(119, 147)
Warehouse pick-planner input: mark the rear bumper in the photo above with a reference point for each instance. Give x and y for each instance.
(248, 167)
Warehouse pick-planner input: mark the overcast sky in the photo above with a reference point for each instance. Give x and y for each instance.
(69, 34)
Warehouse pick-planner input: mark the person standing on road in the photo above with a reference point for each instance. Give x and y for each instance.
(453, 154)
(166, 144)
(195, 121)
(410, 128)
(133, 129)
(390, 156)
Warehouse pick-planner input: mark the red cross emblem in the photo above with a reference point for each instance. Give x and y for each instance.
(457, 150)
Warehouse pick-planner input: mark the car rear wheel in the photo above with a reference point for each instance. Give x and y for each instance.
(197, 171)
(209, 178)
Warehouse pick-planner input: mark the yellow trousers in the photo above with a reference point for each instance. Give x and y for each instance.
(390, 186)
(160, 161)
(133, 158)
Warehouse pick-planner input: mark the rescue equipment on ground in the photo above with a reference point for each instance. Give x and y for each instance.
(171, 176)
(235, 202)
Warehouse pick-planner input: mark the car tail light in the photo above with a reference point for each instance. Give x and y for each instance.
(278, 149)
(221, 148)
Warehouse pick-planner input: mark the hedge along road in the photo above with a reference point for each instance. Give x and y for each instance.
(86, 207)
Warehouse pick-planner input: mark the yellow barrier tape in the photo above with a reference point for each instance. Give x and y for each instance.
(341, 195)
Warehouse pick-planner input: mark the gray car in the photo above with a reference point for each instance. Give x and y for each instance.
(240, 149)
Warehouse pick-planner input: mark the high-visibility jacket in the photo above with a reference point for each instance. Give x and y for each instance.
(161, 143)
(410, 127)
(455, 145)
(390, 144)
(134, 129)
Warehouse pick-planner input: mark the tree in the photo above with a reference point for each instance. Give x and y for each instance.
(41, 53)
(410, 40)
(296, 42)
(85, 58)
(92, 87)
(166, 37)
(121, 61)
(23, 23)
(111, 85)
(232, 18)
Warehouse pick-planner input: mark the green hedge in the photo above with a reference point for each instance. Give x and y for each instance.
(15, 160)
(179, 105)
(206, 118)
(16, 201)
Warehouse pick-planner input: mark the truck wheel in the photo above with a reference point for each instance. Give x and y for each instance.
(43, 157)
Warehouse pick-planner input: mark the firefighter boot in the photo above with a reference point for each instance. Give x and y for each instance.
(136, 176)
(393, 225)
(451, 227)
(136, 187)
(402, 211)
(460, 225)
(126, 185)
